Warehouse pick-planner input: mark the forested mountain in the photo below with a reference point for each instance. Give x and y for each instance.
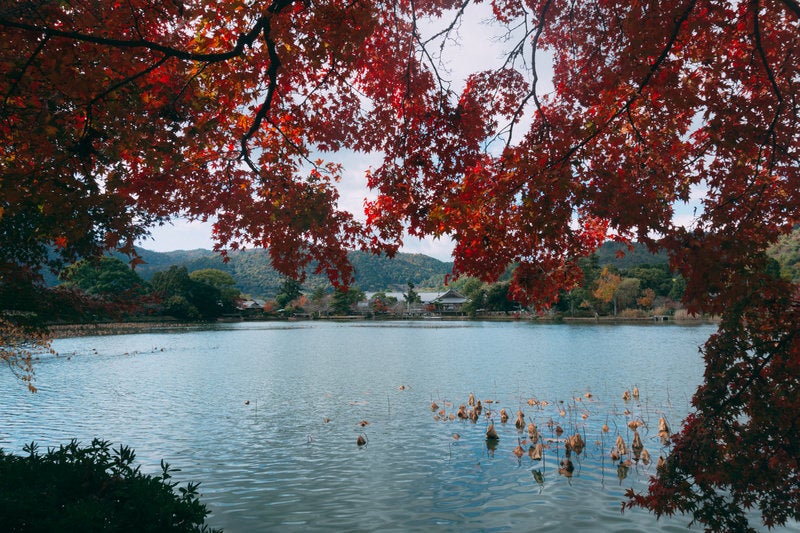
(255, 276)
(640, 255)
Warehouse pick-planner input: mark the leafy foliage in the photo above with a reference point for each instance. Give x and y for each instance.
(205, 294)
(254, 274)
(787, 252)
(107, 276)
(93, 488)
(290, 290)
(345, 299)
(19, 346)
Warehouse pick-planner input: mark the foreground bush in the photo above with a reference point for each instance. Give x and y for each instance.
(92, 489)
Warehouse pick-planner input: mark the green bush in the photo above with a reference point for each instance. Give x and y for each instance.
(92, 489)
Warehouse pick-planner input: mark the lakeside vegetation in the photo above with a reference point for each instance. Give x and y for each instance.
(193, 286)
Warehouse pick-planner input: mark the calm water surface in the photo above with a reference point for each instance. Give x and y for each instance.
(266, 417)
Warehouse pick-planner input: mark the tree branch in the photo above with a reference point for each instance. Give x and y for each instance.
(793, 6)
(645, 81)
(244, 39)
(28, 63)
(770, 133)
(532, 93)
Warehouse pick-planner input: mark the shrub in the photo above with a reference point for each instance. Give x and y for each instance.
(90, 489)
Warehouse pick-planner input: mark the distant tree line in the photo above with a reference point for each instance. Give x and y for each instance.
(205, 294)
(110, 288)
(605, 290)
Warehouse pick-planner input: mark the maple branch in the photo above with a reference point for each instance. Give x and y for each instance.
(645, 81)
(445, 33)
(770, 133)
(244, 39)
(272, 75)
(128, 80)
(27, 64)
(532, 93)
(793, 6)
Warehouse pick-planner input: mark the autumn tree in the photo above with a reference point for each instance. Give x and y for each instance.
(607, 287)
(646, 299)
(118, 115)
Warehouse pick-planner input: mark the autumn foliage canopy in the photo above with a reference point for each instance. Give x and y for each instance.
(117, 115)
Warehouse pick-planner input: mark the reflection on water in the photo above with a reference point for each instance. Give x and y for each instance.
(267, 417)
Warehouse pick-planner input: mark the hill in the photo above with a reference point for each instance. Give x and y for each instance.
(255, 276)
(640, 255)
(787, 252)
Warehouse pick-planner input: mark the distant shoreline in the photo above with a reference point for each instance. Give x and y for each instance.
(63, 331)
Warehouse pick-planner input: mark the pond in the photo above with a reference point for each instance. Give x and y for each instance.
(267, 416)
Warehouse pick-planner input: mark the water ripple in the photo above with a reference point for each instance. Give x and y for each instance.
(267, 418)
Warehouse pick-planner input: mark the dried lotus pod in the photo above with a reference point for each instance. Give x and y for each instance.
(503, 416)
(645, 457)
(434, 406)
(559, 430)
(566, 468)
(491, 434)
(519, 451)
(471, 400)
(626, 396)
(535, 452)
(520, 422)
(462, 411)
(634, 424)
(575, 443)
(636, 393)
(622, 449)
(605, 428)
(361, 440)
(662, 425)
(637, 442)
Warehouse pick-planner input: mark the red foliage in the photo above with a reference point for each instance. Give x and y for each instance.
(115, 116)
